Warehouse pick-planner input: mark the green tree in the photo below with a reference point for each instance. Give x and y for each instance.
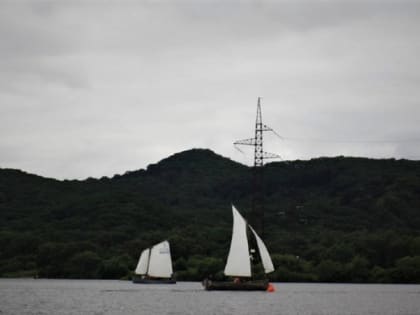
(408, 269)
(85, 265)
(331, 271)
(358, 269)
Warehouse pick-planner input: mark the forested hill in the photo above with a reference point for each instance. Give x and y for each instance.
(327, 219)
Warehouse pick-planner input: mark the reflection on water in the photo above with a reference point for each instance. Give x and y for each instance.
(27, 296)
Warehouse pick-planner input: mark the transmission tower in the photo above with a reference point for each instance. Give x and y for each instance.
(256, 217)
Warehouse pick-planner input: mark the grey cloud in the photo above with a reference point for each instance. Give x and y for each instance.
(101, 87)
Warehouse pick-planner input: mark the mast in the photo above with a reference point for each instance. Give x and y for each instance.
(148, 261)
(256, 217)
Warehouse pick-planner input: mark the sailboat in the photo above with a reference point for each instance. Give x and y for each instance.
(238, 263)
(155, 265)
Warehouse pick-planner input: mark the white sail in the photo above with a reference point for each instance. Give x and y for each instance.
(160, 264)
(238, 261)
(143, 263)
(265, 256)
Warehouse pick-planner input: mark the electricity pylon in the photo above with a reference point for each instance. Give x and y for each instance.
(256, 217)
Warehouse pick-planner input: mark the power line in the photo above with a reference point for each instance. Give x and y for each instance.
(298, 139)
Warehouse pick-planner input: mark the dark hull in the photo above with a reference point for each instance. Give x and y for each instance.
(251, 285)
(153, 281)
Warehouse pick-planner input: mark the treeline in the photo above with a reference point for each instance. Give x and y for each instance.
(362, 257)
(334, 220)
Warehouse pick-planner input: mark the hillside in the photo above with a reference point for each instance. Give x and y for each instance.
(327, 219)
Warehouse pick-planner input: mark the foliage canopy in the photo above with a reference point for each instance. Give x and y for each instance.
(327, 219)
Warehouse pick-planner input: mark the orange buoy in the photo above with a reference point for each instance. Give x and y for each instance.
(271, 288)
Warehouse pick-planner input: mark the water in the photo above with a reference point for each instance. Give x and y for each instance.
(95, 297)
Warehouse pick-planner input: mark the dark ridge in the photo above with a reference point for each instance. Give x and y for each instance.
(347, 219)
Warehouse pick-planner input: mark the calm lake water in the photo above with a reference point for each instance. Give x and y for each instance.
(27, 296)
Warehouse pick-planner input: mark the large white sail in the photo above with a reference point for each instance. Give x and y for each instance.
(238, 261)
(143, 263)
(160, 264)
(265, 256)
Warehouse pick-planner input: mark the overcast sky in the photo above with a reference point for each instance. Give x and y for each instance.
(95, 88)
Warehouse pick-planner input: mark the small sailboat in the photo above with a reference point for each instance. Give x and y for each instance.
(155, 265)
(239, 261)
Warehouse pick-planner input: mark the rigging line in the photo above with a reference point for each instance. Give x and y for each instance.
(351, 140)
